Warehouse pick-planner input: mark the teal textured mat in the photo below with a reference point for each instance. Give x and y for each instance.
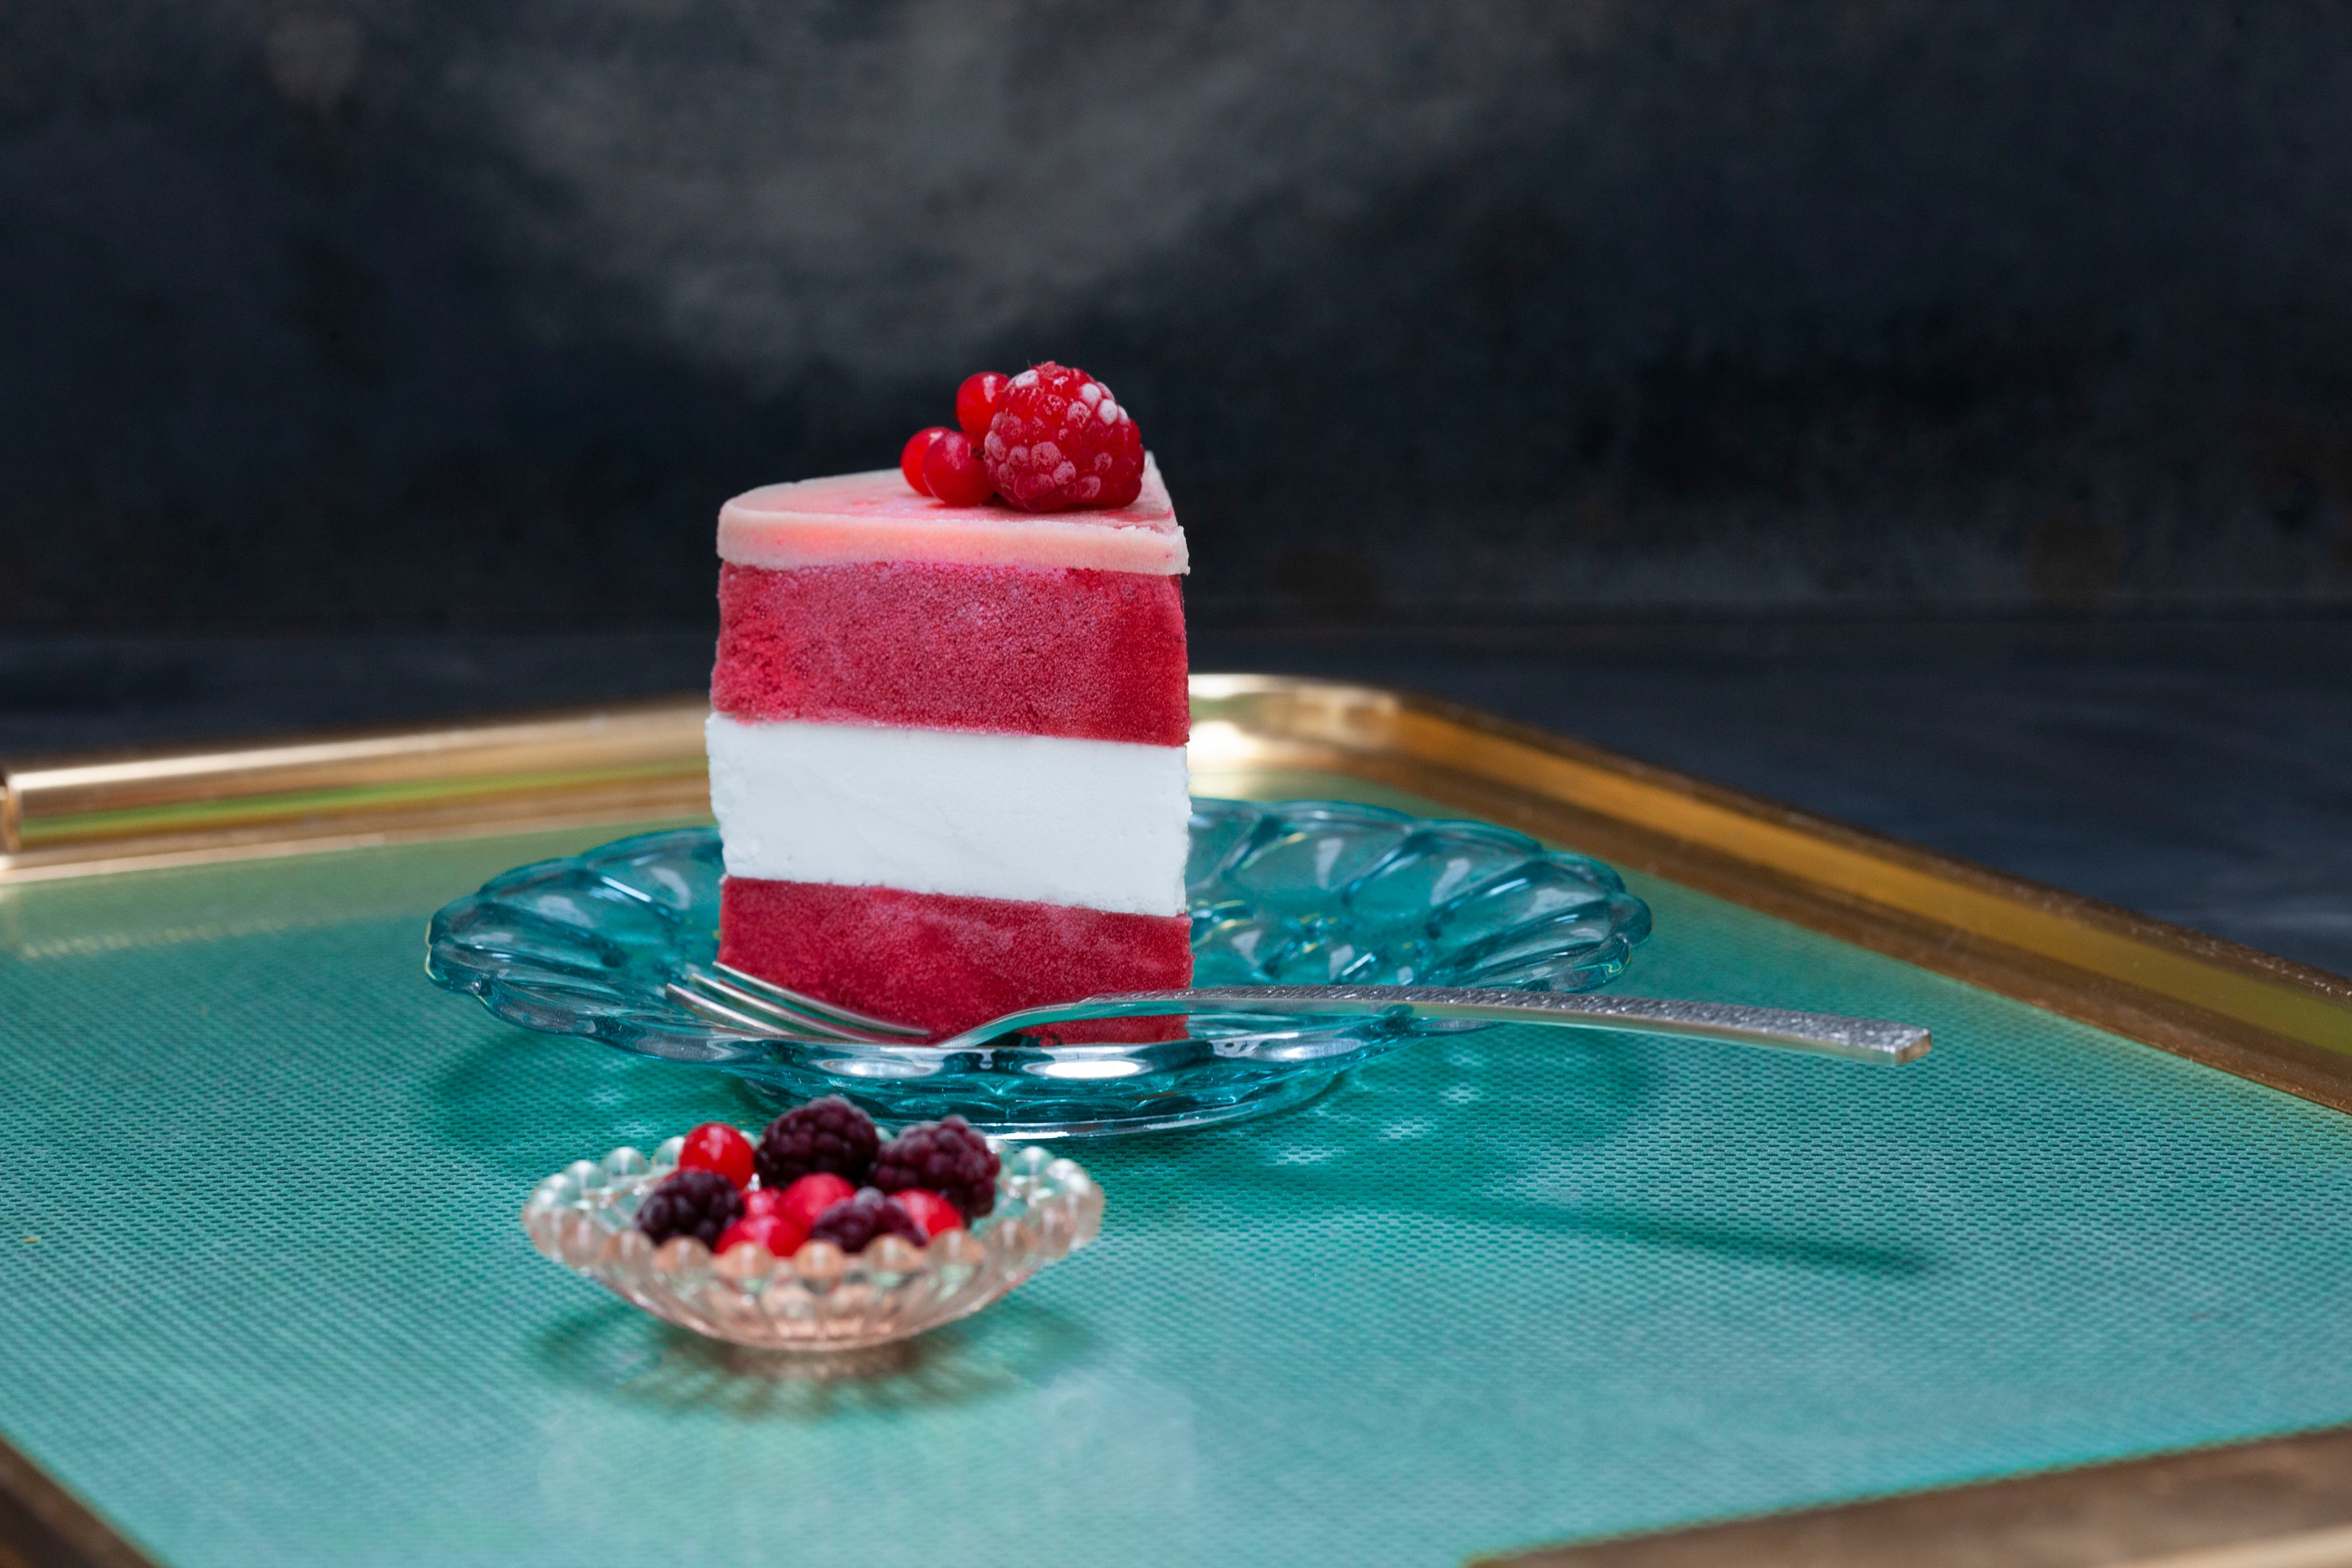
(1496, 1292)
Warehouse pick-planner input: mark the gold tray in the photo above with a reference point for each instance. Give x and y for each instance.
(1262, 736)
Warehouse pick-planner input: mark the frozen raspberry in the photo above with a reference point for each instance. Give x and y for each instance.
(945, 1157)
(778, 1234)
(851, 1225)
(700, 1204)
(827, 1134)
(910, 456)
(715, 1147)
(1060, 440)
(953, 472)
(808, 1198)
(931, 1211)
(976, 403)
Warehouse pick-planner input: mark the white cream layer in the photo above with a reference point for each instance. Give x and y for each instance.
(1099, 824)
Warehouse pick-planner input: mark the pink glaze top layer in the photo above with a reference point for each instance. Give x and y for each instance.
(1093, 655)
(854, 517)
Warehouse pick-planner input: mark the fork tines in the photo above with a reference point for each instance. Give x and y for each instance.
(726, 996)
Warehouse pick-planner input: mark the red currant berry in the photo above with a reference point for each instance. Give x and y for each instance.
(953, 472)
(929, 1210)
(976, 403)
(766, 1200)
(811, 1195)
(715, 1147)
(782, 1235)
(910, 456)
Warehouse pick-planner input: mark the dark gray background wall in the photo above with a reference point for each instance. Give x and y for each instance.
(415, 314)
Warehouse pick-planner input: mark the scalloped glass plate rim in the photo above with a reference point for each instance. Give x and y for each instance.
(1254, 873)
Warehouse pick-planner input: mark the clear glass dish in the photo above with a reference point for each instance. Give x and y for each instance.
(1286, 892)
(585, 1217)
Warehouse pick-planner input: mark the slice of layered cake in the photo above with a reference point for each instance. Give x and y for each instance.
(946, 743)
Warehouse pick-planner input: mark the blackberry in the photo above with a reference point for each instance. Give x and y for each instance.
(856, 1222)
(829, 1134)
(945, 1157)
(700, 1204)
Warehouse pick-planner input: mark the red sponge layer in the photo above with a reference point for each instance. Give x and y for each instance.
(1092, 655)
(947, 963)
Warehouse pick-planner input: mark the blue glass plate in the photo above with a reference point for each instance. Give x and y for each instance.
(1290, 893)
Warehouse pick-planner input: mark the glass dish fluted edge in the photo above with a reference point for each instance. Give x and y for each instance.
(819, 1299)
(1285, 893)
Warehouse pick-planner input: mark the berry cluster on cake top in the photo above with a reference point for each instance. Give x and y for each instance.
(1051, 439)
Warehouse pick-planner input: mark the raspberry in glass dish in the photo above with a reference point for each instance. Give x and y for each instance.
(947, 739)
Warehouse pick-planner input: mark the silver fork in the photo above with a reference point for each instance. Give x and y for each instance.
(748, 1005)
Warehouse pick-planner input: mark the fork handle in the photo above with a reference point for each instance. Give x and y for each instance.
(1823, 1034)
